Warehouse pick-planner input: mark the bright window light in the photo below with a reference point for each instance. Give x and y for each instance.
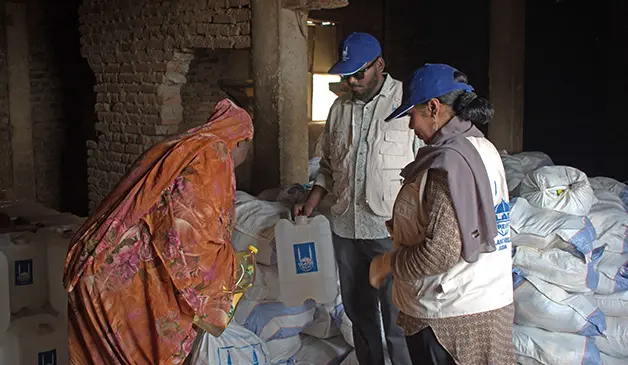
(322, 97)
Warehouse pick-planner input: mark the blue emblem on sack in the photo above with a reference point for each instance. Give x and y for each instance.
(305, 258)
(23, 272)
(253, 354)
(47, 358)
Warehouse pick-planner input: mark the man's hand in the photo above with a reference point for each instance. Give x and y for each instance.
(302, 209)
(379, 270)
(316, 195)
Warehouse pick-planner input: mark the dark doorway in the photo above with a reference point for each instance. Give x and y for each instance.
(77, 80)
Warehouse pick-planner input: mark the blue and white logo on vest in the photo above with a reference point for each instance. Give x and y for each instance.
(502, 216)
(305, 258)
(23, 272)
(249, 354)
(47, 358)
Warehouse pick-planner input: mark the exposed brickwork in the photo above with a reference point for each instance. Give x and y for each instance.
(140, 52)
(47, 98)
(6, 168)
(201, 91)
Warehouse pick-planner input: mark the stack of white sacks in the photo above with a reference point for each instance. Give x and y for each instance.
(264, 330)
(33, 302)
(570, 247)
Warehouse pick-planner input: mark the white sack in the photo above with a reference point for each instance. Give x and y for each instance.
(609, 360)
(324, 325)
(236, 345)
(548, 243)
(610, 220)
(282, 350)
(616, 342)
(514, 172)
(269, 194)
(344, 323)
(613, 305)
(273, 320)
(534, 346)
(613, 271)
(560, 188)
(543, 305)
(533, 160)
(518, 165)
(316, 351)
(255, 225)
(558, 267)
(549, 224)
(617, 188)
(266, 285)
(351, 359)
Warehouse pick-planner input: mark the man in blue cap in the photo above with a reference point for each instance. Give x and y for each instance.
(362, 160)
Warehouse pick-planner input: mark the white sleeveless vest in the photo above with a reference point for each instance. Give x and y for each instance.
(467, 288)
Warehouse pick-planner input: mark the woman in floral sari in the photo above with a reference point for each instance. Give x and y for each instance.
(154, 262)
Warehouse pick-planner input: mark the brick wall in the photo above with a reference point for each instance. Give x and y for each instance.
(47, 100)
(140, 52)
(201, 91)
(6, 167)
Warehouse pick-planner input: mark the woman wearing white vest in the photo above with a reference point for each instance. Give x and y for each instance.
(452, 262)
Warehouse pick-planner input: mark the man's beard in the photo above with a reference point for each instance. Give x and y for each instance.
(368, 92)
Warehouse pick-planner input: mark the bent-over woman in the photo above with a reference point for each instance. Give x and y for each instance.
(154, 263)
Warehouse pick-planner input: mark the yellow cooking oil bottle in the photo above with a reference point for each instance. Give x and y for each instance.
(245, 277)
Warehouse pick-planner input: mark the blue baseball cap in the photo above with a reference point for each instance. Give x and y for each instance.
(355, 52)
(427, 82)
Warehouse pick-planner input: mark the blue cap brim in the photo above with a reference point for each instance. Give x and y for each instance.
(401, 111)
(345, 68)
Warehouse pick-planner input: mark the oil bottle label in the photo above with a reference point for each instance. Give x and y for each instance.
(47, 358)
(305, 258)
(23, 272)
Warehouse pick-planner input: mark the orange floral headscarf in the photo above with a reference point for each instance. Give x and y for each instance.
(141, 188)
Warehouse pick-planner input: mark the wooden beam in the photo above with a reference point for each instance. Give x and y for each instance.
(19, 100)
(506, 73)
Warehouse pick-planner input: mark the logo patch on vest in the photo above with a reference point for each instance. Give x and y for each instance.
(502, 216)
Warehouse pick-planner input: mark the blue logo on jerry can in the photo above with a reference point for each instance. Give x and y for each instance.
(47, 358)
(23, 272)
(305, 258)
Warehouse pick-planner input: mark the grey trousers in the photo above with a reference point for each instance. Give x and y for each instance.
(360, 301)
(426, 350)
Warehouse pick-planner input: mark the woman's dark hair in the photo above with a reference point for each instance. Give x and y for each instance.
(468, 105)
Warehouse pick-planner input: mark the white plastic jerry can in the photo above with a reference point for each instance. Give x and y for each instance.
(305, 261)
(57, 242)
(26, 256)
(42, 340)
(9, 349)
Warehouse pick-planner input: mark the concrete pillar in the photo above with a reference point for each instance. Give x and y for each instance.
(279, 55)
(506, 73)
(19, 101)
